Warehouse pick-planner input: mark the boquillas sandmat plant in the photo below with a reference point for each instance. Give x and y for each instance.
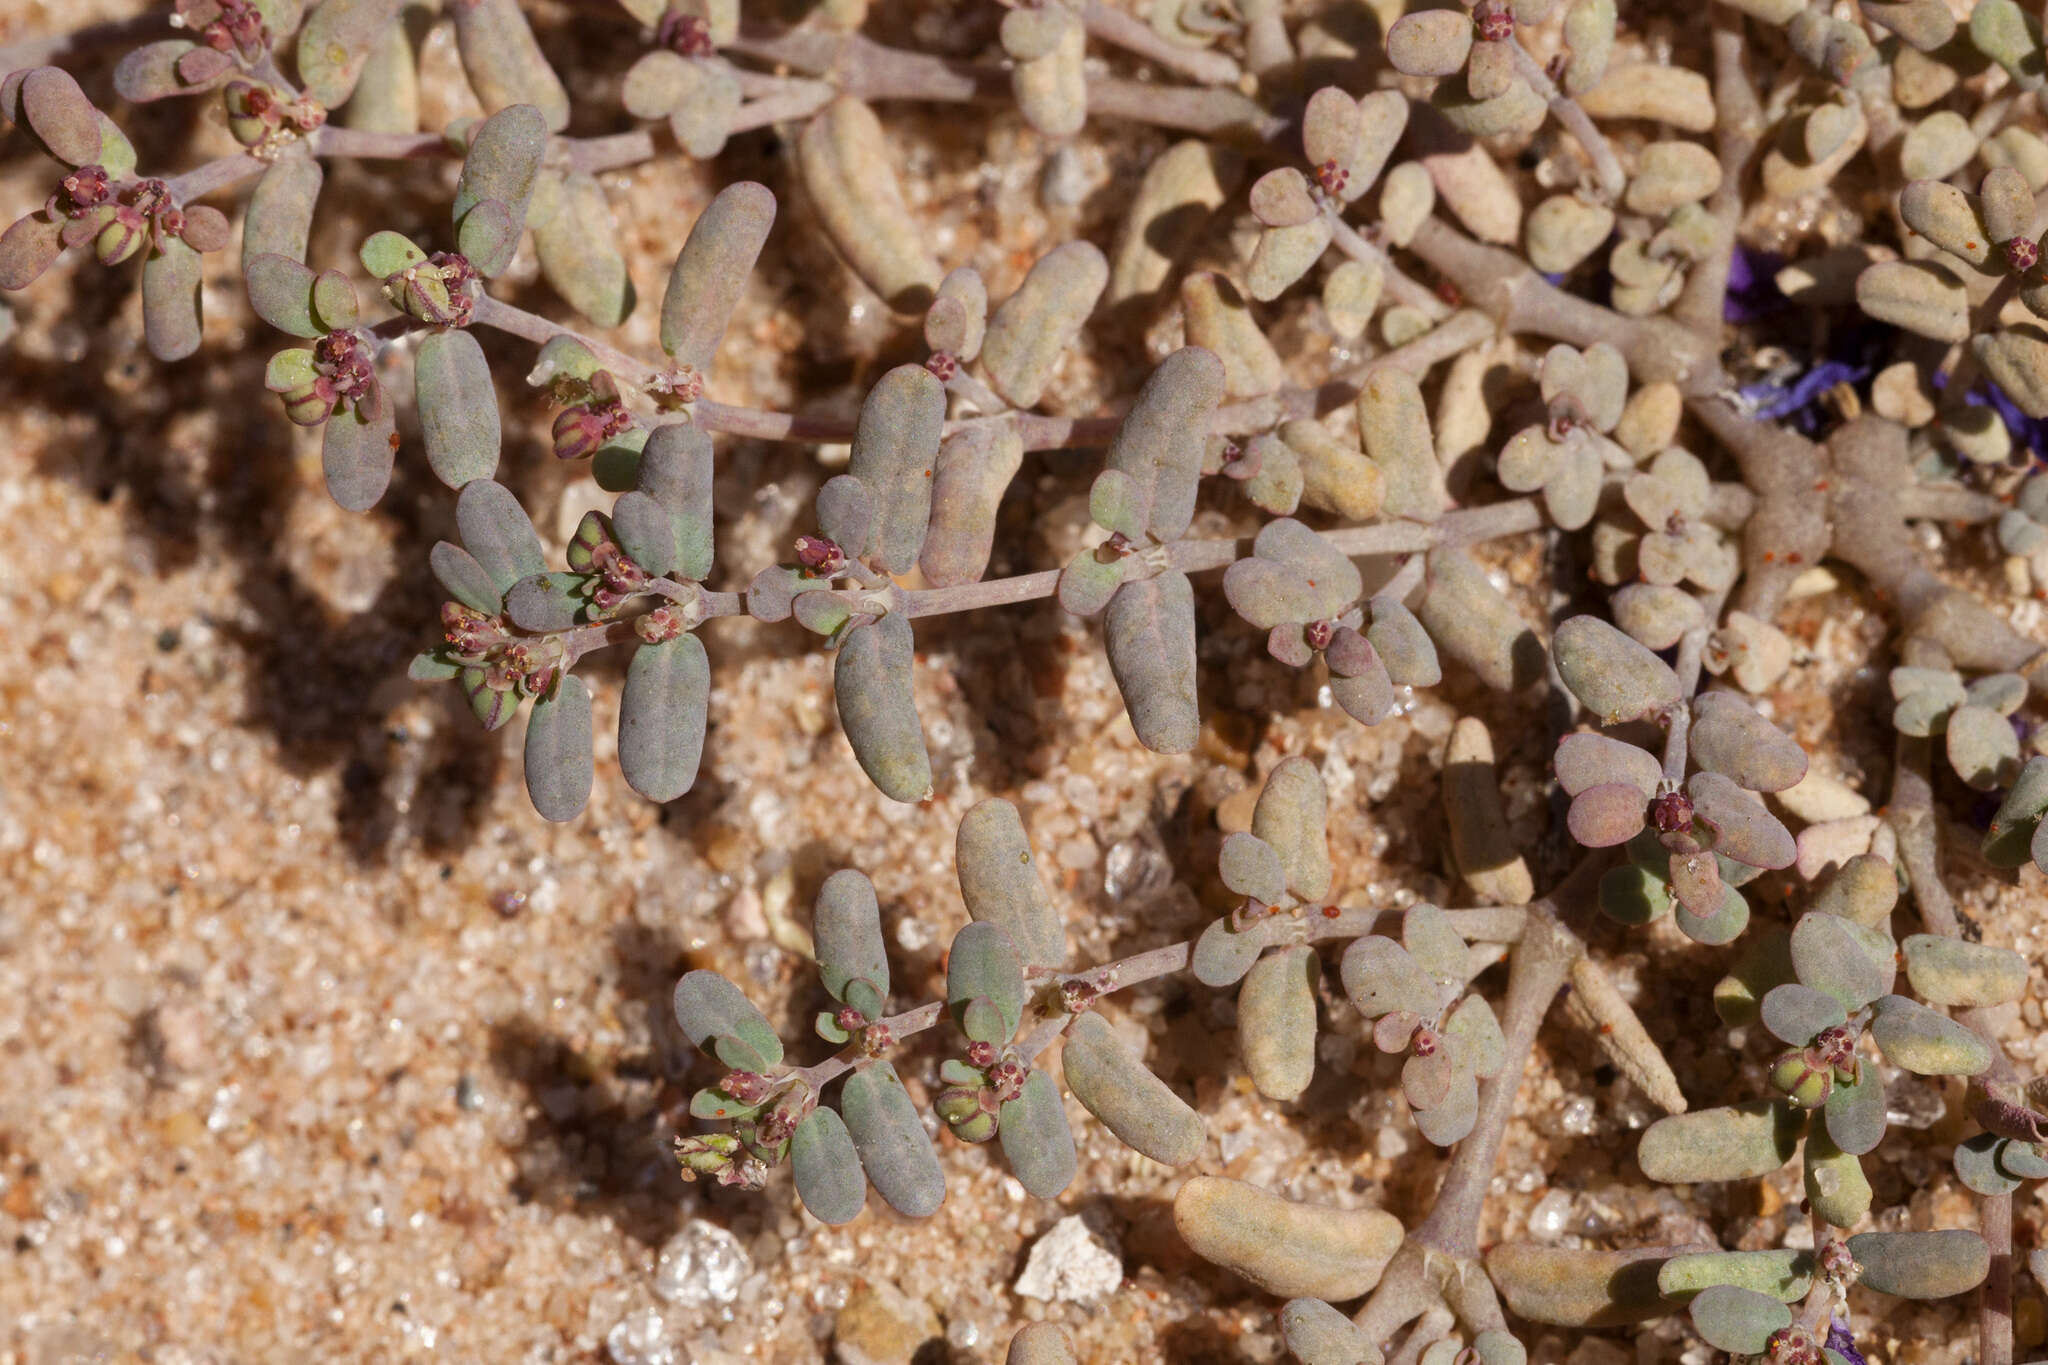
(1615, 287)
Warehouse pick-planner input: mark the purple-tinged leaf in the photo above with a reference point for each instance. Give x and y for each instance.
(1037, 325)
(1161, 439)
(1724, 925)
(206, 228)
(675, 470)
(504, 62)
(895, 444)
(171, 325)
(501, 166)
(159, 70)
(1266, 593)
(846, 514)
(974, 468)
(1616, 678)
(1743, 829)
(458, 407)
(576, 241)
(984, 965)
(1366, 694)
(1131, 1102)
(558, 756)
(878, 711)
(999, 882)
(1148, 631)
(846, 921)
(281, 293)
(279, 218)
(1730, 738)
(891, 1140)
(1797, 1014)
(356, 455)
(1590, 760)
(335, 43)
(1921, 1265)
(545, 602)
(723, 1023)
(1250, 866)
(48, 104)
(711, 272)
(28, 247)
(1605, 815)
(1380, 977)
(827, 1169)
(458, 572)
(495, 528)
(1037, 1141)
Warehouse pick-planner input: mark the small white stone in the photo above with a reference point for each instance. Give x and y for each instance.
(1550, 1217)
(1389, 1143)
(1071, 1262)
(640, 1339)
(702, 1265)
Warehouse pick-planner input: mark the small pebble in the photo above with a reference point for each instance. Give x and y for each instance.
(700, 1266)
(641, 1339)
(881, 1325)
(1071, 1262)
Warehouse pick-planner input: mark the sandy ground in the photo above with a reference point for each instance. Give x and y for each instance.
(316, 1043)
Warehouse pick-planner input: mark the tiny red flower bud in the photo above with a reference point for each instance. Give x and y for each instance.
(1496, 24)
(819, 556)
(1672, 813)
(2022, 255)
(943, 366)
(686, 34)
(1319, 634)
(1794, 1345)
(87, 187)
(1007, 1079)
(657, 626)
(748, 1087)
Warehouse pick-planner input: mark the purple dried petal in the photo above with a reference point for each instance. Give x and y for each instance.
(1752, 285)
(1841, 1342)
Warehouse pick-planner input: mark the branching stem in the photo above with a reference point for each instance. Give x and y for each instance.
(1047, 1019)
(1398, 286)
(1114, 26)
(1567, 111)
(1913, 818)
